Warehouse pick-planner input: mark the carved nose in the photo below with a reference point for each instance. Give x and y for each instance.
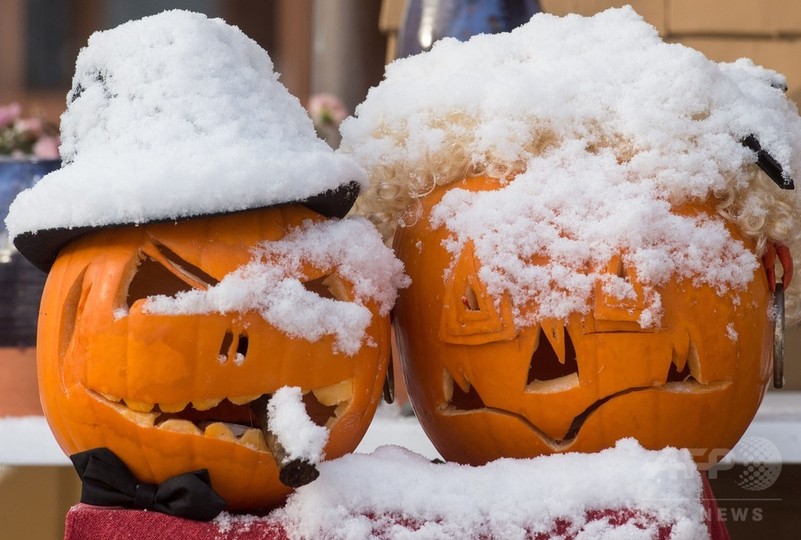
(233, 348)
(619, 295)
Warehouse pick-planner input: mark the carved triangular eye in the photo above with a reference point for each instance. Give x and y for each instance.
(162, 271)
(182, 268)
(469, 313)
(151, 279)
(329, 286)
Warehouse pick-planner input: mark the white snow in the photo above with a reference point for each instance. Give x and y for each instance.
(599, 132)
(177, 115)
(579, 80)
(287, 419)
(357, 496)
(575, 231)
(271, 283)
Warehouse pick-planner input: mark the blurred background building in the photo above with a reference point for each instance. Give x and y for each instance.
(333, 46)
(341, 47)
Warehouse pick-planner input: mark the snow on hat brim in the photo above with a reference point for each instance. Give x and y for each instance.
(42, 247)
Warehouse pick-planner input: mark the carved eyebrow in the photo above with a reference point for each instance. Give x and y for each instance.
(179, 266)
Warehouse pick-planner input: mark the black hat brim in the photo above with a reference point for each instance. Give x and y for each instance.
(42, 247)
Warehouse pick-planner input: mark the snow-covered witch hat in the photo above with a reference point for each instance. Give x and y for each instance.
(176, 116)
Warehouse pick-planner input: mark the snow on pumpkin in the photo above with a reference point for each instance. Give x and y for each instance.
(597, 131)
(271, 283)
(577, 231)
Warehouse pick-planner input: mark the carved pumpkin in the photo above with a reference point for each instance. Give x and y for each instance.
(158, 390)
(484, 388)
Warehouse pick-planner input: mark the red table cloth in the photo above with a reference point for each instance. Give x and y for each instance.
(85, 522)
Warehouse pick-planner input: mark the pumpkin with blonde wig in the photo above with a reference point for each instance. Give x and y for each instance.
(590, 218)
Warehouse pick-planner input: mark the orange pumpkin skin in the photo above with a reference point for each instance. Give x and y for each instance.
(477, 389)
(91, 363)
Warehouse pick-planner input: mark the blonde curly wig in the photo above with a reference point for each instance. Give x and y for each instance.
(488, 106)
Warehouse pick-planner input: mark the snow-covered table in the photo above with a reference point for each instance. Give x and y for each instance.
(621, 492)
(84, 522)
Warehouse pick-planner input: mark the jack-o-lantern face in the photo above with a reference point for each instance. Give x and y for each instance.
(170, 393)
(484, 387)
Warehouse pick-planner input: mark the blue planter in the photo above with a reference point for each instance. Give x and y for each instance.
(20, 283)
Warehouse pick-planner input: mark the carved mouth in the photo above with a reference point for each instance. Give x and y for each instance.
(554, 369)
(230, 419)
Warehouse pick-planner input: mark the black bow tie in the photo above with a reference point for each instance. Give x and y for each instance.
(106, 481)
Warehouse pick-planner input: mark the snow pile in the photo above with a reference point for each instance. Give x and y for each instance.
(177, 115)
(612, 130)
(394, 493)
(288, 420)
(272, 283)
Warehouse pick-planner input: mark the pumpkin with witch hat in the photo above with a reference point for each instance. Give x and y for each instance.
(196, 267)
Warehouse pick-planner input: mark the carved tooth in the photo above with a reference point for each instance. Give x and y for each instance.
(334, 393)
(554, 331)
(254, 438)
(144, 419)
(695, 364)
(339, 411)
(218, 430)
(139, 406)
(173, 407)
(447, 386)
(110, 397)
(242, 400)
(681, 350)
(237, 429)
(205, 404)
(180, 426)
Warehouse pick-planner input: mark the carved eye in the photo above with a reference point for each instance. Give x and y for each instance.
(329, 286)
(162, 271)
(469, 313)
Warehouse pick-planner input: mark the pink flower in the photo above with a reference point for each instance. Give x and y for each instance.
(9, 113)
(46, 147)
(29, 136)
(327, 110)
(29, 127)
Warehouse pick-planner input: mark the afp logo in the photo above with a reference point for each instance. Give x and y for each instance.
(756, 461)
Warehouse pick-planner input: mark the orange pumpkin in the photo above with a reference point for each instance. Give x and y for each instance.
(157, 389)
(484, 388)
